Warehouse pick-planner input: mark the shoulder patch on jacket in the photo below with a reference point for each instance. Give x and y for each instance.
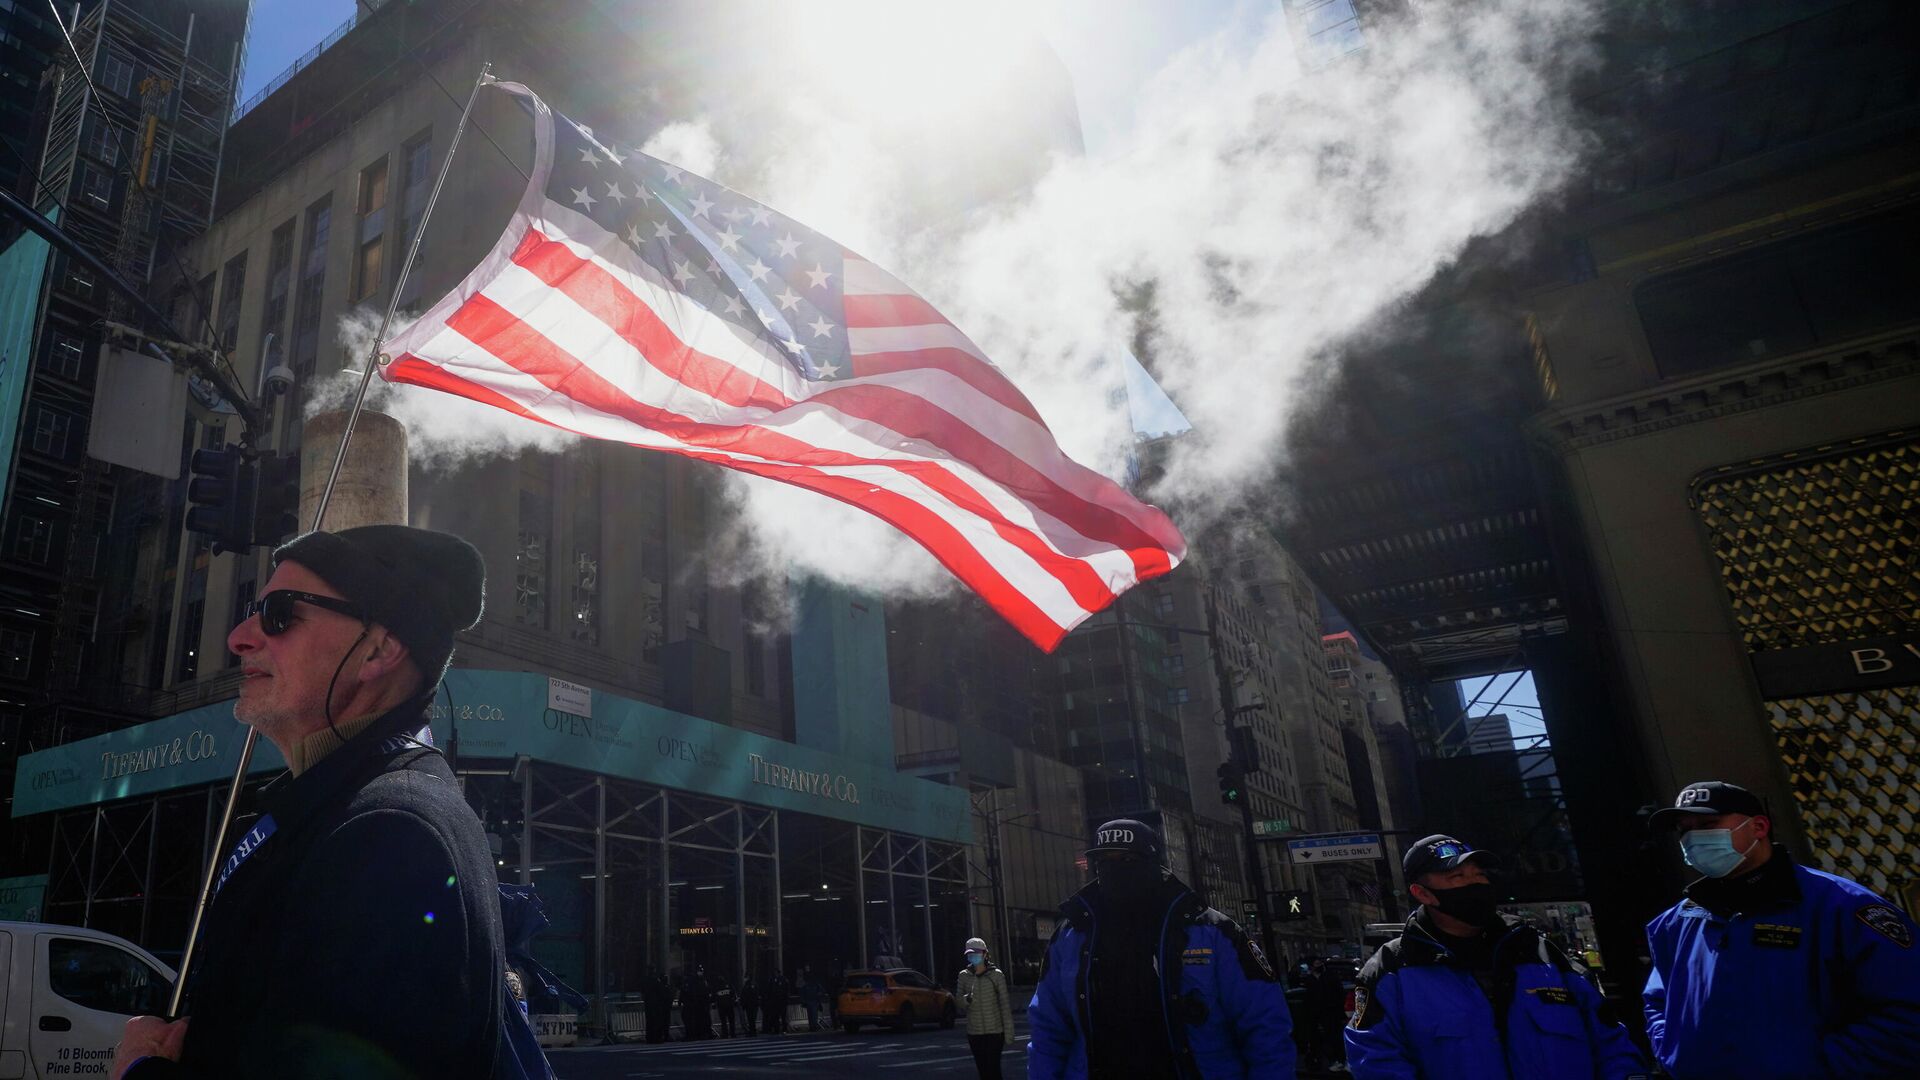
(1888, 923)
(1253, 962)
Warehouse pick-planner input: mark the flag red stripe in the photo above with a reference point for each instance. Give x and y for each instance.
(938, 537)
(955, 362)
(907, 310)
(502, 334)
(923, 420)
(609, 300)
(912, 416)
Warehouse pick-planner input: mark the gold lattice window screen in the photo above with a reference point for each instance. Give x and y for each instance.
(1817, 548)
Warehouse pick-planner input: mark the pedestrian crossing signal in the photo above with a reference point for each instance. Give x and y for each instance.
(1294, 905)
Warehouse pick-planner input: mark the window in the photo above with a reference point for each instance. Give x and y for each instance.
(273, 320)
(115, 74)
(79, 282)
(33, 540)
(1815, 290)
(52, 432)
(530, 560)
(192, 619)
(1178, 696)
(65, 356)
(102, 145)
(233, 286)
(416, 163)
(307, 292)
(96, 186)
(96, 975)
(372, 236)
(16, 653)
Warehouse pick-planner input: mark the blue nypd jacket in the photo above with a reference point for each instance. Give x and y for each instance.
(1788, 972)
(1225, 1013)
(1419, 1014)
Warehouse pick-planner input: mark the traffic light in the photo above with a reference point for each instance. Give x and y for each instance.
(220, 492)
(276, 499)
(1292, 905)
(1233, 782)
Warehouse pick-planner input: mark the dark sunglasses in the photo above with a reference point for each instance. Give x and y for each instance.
(276, 609)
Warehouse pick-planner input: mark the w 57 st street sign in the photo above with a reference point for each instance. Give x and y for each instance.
(1356, 847)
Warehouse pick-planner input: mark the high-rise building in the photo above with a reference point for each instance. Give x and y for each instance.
(130, 168)
(694, 765)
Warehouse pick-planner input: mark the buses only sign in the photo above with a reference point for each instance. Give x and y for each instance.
(1355, 848)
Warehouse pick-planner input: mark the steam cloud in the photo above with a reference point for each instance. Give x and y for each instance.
(1275, 213)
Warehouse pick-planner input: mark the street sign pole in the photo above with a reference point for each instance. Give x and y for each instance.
(1256, 873)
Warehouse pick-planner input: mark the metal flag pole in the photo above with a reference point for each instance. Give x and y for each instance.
(319, 515)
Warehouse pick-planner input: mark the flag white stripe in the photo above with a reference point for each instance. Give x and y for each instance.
(1014, 565)
(1014, 432)
(862, 278)
(863, 340)
(817, 425)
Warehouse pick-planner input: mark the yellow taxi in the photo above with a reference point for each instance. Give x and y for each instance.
(900, 997)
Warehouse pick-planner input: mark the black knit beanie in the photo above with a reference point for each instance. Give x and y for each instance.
(423, 586)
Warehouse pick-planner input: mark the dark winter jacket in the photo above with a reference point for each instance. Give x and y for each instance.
(356, 927)
(1224, 1013)
(1422, 1014)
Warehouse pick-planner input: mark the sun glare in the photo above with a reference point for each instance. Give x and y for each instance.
(905, 62)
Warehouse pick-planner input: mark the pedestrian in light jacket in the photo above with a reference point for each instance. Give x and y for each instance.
(982, 990)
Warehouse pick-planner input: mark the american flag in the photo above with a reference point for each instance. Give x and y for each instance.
(634, 301)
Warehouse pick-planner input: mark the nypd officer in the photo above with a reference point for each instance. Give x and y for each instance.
(1466, 993)
(1143, 979)
(1770, 970)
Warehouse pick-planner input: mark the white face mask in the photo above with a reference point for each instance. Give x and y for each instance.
(1711, 851)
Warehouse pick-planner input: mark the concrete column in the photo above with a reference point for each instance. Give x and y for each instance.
(372, 488)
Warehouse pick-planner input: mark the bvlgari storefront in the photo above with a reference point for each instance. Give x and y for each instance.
(656, 840)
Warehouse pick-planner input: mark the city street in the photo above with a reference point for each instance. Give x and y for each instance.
(865, 1054)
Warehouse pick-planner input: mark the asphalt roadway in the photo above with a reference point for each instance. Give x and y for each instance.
(886, 1055)
(882, 1055)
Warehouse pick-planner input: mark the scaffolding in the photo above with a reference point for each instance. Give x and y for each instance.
(158, 102)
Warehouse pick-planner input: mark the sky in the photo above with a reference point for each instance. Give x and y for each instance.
(1107, 65)
(1516, 699)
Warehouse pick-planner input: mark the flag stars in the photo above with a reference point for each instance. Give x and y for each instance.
(733, 214)
(671, 172)
(581, 197)
(663, 231)
(617, 159)
(701, 204)
(826, 371)
(817, 277)
(760, 215)
(640, 192)
(788, 299)
(714, 269)
(734, 306)
(821, 327)
(758, 270)
(614, 193)
(793, 346)
(683, 272)
(788, 246)
(729, 240)
(633, 235)
(588, 157)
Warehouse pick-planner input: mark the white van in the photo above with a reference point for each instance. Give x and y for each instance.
(65, 995)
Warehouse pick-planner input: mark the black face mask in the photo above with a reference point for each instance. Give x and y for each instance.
(1476, 903)
(1127, 877)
